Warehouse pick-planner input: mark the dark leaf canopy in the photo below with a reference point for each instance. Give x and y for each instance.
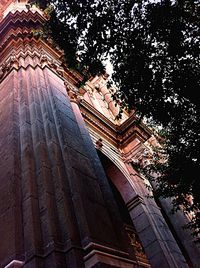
(154, 49)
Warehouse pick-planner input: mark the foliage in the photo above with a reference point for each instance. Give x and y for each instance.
(154, 49)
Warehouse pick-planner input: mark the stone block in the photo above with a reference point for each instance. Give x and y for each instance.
(141, 222)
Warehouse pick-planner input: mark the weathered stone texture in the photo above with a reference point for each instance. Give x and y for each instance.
(45, 170)
(57, 208)
(10, 200)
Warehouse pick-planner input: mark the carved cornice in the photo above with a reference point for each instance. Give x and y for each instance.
(43, 54)
(119, 135)
(21, 19)
(3, 5)
(102, 248)
(20, 49)
(16, 31)
(99, 122)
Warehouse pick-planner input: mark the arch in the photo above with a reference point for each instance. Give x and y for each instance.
(113, 155)
(122, 192)
(116, 172)
(157, 240)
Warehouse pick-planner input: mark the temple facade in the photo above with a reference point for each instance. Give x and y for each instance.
(69, 193)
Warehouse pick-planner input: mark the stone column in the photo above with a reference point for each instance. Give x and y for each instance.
(11, 229)
(178, 220)
(51, 236)
(155, 236)
(114, 255)
(157, 240)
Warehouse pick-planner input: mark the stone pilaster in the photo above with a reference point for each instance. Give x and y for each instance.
(99, 255)
(159, 244)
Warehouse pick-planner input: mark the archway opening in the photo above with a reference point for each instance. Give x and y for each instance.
(120, 187)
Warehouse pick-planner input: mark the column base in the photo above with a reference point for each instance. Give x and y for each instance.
(105, 257)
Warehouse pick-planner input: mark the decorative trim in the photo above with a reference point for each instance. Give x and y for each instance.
(122, 134)
(98, 247)
(96, 256)
(99, 253)
(134, 202)
(15, 264)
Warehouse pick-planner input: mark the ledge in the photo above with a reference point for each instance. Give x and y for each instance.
(15, 264)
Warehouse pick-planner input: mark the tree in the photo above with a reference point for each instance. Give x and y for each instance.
(154, 49)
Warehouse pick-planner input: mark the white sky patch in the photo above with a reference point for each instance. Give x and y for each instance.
(109, 67)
